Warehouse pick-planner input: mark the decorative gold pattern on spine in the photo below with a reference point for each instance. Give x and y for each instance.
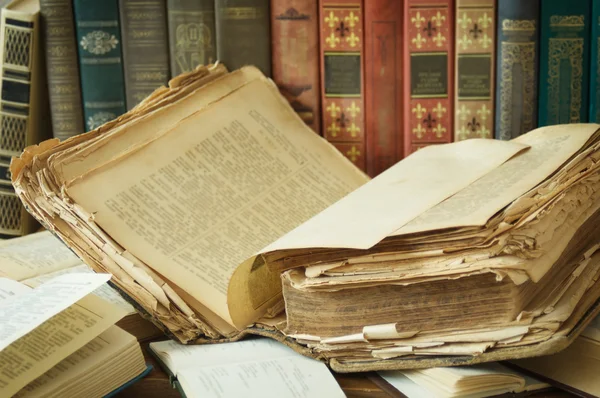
(572, 50)
(567, 20)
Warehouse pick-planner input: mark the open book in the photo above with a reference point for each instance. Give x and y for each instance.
(39, 257)
(221, 214)
(59, 340)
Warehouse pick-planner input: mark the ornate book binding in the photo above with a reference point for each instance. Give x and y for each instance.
(517, 68)
(244, 34)
(145, 47)
(564, 62)
(383, 92)
(594, 116)
(192, 39)
(62, 68)
(475, 48)
(342, 79)
(429, 73)
(295, 48)
(100, 60)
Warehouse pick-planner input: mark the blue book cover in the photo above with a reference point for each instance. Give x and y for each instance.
(594, 64)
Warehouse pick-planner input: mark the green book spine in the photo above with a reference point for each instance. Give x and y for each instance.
(595, 64)
(100, 60)
(564, 61)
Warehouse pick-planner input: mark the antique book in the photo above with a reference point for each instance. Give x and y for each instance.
(253, 224)
(342, 77)
(62, 68)
(145, 47)
(564, 62)
(518, 55)
(295, 56)
(475, 64)
(383, 92)
(243, 368)
(594, 115)
(244, 34)
(192, 37)
(486, 380)
(429, 73)
(100, 60)
(24, 119)
(58, 340)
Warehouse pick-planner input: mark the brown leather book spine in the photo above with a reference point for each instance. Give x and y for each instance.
(295, 49)
(383, 88)
(475, 64)
(192, 38)
(244, 34)
(342, 77)
(62, 68)
(145, 47)
(429, 72)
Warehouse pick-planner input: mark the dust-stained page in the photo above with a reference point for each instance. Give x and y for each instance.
(227, 181)
(35, 353)
(34, 255)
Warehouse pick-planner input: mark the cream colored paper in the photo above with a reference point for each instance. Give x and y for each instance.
(10, 288)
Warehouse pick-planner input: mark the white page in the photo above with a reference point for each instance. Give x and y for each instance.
(10, 288)
(23, 313)
(296, 377)
(405, 385)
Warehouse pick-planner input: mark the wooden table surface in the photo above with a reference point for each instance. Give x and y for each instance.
(355, 385)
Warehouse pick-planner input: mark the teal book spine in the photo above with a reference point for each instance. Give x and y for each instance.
(100, 60)
(564, 61)
(595, 64)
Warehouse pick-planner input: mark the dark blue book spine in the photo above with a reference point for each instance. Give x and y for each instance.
(518, 56)
(595, 64)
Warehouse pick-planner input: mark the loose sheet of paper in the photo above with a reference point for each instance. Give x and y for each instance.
(10, 288)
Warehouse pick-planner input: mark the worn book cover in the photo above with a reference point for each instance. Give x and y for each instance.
(594, 114)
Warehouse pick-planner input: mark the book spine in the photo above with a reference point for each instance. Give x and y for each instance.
(295, 49)
(20, 57)
(594, 115)
(244, 34)
(62, 68)
(429, 73)
(517, 52)
(192, 38)
(342, 77)
(145, 48)
(475, 51)
(564, 61)
(100, 60)
(383, 84)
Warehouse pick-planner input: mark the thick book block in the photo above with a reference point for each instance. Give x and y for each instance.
(564, 61)
(192, 38)
(244, 34)
(383, 88)
(429, 73)
(100, 60)
(145, 47)
(475, 52)
(295, 49)
(62, 68)
(517, 67)
(594, 115)
(342, 77)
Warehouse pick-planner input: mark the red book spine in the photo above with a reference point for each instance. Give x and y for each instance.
(383, 88)
(295, 49)
(342, 77)
(428, 73)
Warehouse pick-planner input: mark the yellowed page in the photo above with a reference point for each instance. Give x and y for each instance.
(33, 255)
(196, 202)
(403, 192)
(35, 353)
(474, 205)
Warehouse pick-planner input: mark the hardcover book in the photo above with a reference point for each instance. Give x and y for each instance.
(192, 36)
(564, 62)
(429, 63)
(383, 89)
(145, 47)
(517, 67)
(342, 77)
(295, 49)
(100, 60)
(594, 114)
(62, 68)
(475, 52)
